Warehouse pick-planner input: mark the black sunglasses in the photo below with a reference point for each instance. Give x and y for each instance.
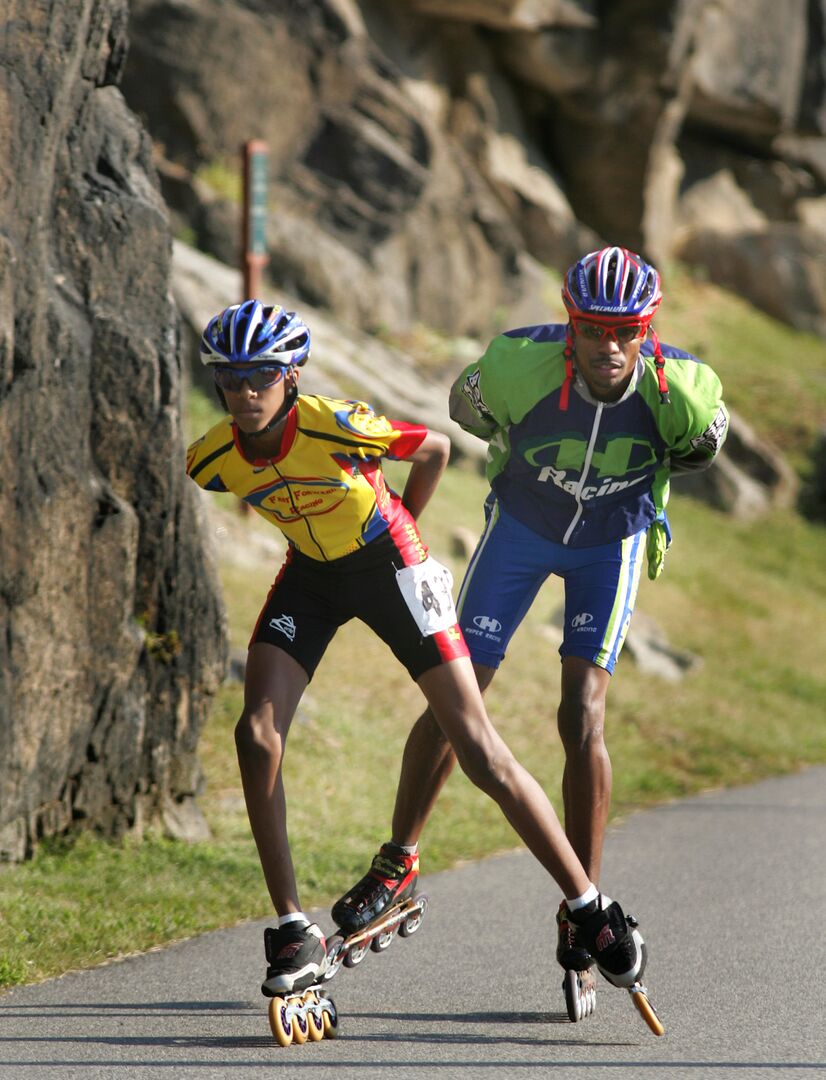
(259, 378)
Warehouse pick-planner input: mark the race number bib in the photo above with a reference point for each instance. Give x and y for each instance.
(427, 591)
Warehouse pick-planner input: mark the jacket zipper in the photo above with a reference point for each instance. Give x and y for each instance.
(589, 453)
(297, 512)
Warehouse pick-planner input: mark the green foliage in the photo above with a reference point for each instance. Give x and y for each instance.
(224, 178)
(163, 647)
(202, 413)
(80, 902)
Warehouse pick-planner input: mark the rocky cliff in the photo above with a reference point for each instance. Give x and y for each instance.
(111, 641)
(427, 156)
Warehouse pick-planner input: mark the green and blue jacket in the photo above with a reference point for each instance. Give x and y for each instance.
(597, 471)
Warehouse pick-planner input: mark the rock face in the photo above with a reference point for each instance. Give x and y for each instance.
(422, 152)
(112, 637)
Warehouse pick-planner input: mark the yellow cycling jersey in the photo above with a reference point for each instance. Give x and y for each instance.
(325, 490)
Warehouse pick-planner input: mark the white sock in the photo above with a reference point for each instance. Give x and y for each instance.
(408, 849)
(590, 894)
(293, 917)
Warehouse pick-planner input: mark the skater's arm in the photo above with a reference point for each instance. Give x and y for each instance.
(428, 463)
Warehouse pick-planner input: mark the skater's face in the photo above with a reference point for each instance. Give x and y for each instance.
(254, 395)
(606, 354)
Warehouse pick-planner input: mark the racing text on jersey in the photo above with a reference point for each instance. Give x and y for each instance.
(561, 461)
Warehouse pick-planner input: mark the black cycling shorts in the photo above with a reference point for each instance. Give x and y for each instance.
(310, 600)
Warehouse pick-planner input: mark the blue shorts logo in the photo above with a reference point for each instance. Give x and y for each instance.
(484, 622)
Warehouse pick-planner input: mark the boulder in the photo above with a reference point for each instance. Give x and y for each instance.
(419, 151)
(748, 478)
(112, 624)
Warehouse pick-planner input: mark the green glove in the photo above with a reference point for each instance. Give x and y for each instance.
(656, 545)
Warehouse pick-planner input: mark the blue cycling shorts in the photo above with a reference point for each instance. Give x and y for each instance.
(509, 566)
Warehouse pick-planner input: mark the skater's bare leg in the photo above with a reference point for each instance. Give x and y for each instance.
(427, 762)
(586, 781)
(273, 687)
(453, 695)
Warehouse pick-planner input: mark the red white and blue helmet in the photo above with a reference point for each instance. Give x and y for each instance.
(250, 333)
(613, 283)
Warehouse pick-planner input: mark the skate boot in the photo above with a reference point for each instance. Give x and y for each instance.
(570, 950)
(612, 939)
(296, 958)
(391, 879)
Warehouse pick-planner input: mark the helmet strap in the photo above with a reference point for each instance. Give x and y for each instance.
(659, 367)
(565, 392)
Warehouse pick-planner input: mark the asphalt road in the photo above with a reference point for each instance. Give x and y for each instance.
(730, 891)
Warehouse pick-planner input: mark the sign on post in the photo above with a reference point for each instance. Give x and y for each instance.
(255, 257)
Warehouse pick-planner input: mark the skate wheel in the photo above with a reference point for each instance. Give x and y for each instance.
(412, 923)
(334, 957)
(301, 1026)
(580, 995)
(383, 940)
(355, 955)
(315, 1022)
(573, 1002)
(646, 1010)
(330, 1020)
(280, 1025)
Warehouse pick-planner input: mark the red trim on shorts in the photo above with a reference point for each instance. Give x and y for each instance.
(451, 643)
(273, 587)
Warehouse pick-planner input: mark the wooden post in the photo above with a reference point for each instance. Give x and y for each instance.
(254, 256)
(254, 238)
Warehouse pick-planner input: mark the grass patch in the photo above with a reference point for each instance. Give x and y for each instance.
(746, 597)
(224, 178)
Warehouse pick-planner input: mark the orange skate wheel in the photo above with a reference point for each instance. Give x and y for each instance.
(280, 1026)
(647, 1011)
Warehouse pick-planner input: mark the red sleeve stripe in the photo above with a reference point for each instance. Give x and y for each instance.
(410, 438)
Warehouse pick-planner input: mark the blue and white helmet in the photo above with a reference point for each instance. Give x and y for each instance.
(612, 283)
(249, 333)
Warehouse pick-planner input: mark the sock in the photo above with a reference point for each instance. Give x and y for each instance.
(408, 849)
(293, 917)
(588, 897)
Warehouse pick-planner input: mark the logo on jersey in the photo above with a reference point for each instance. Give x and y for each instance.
(612, 456)
(712, 438)
(471, 390)
(581, 621)
(293, 497)
(561, 459)
(284, 624)
(363, 421)
(485, 622)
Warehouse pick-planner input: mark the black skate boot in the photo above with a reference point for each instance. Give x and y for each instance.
(570, 950)
(296, 958)
(391, 878)
(612, 939)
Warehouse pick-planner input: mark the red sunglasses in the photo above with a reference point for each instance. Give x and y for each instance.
(622, 333)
